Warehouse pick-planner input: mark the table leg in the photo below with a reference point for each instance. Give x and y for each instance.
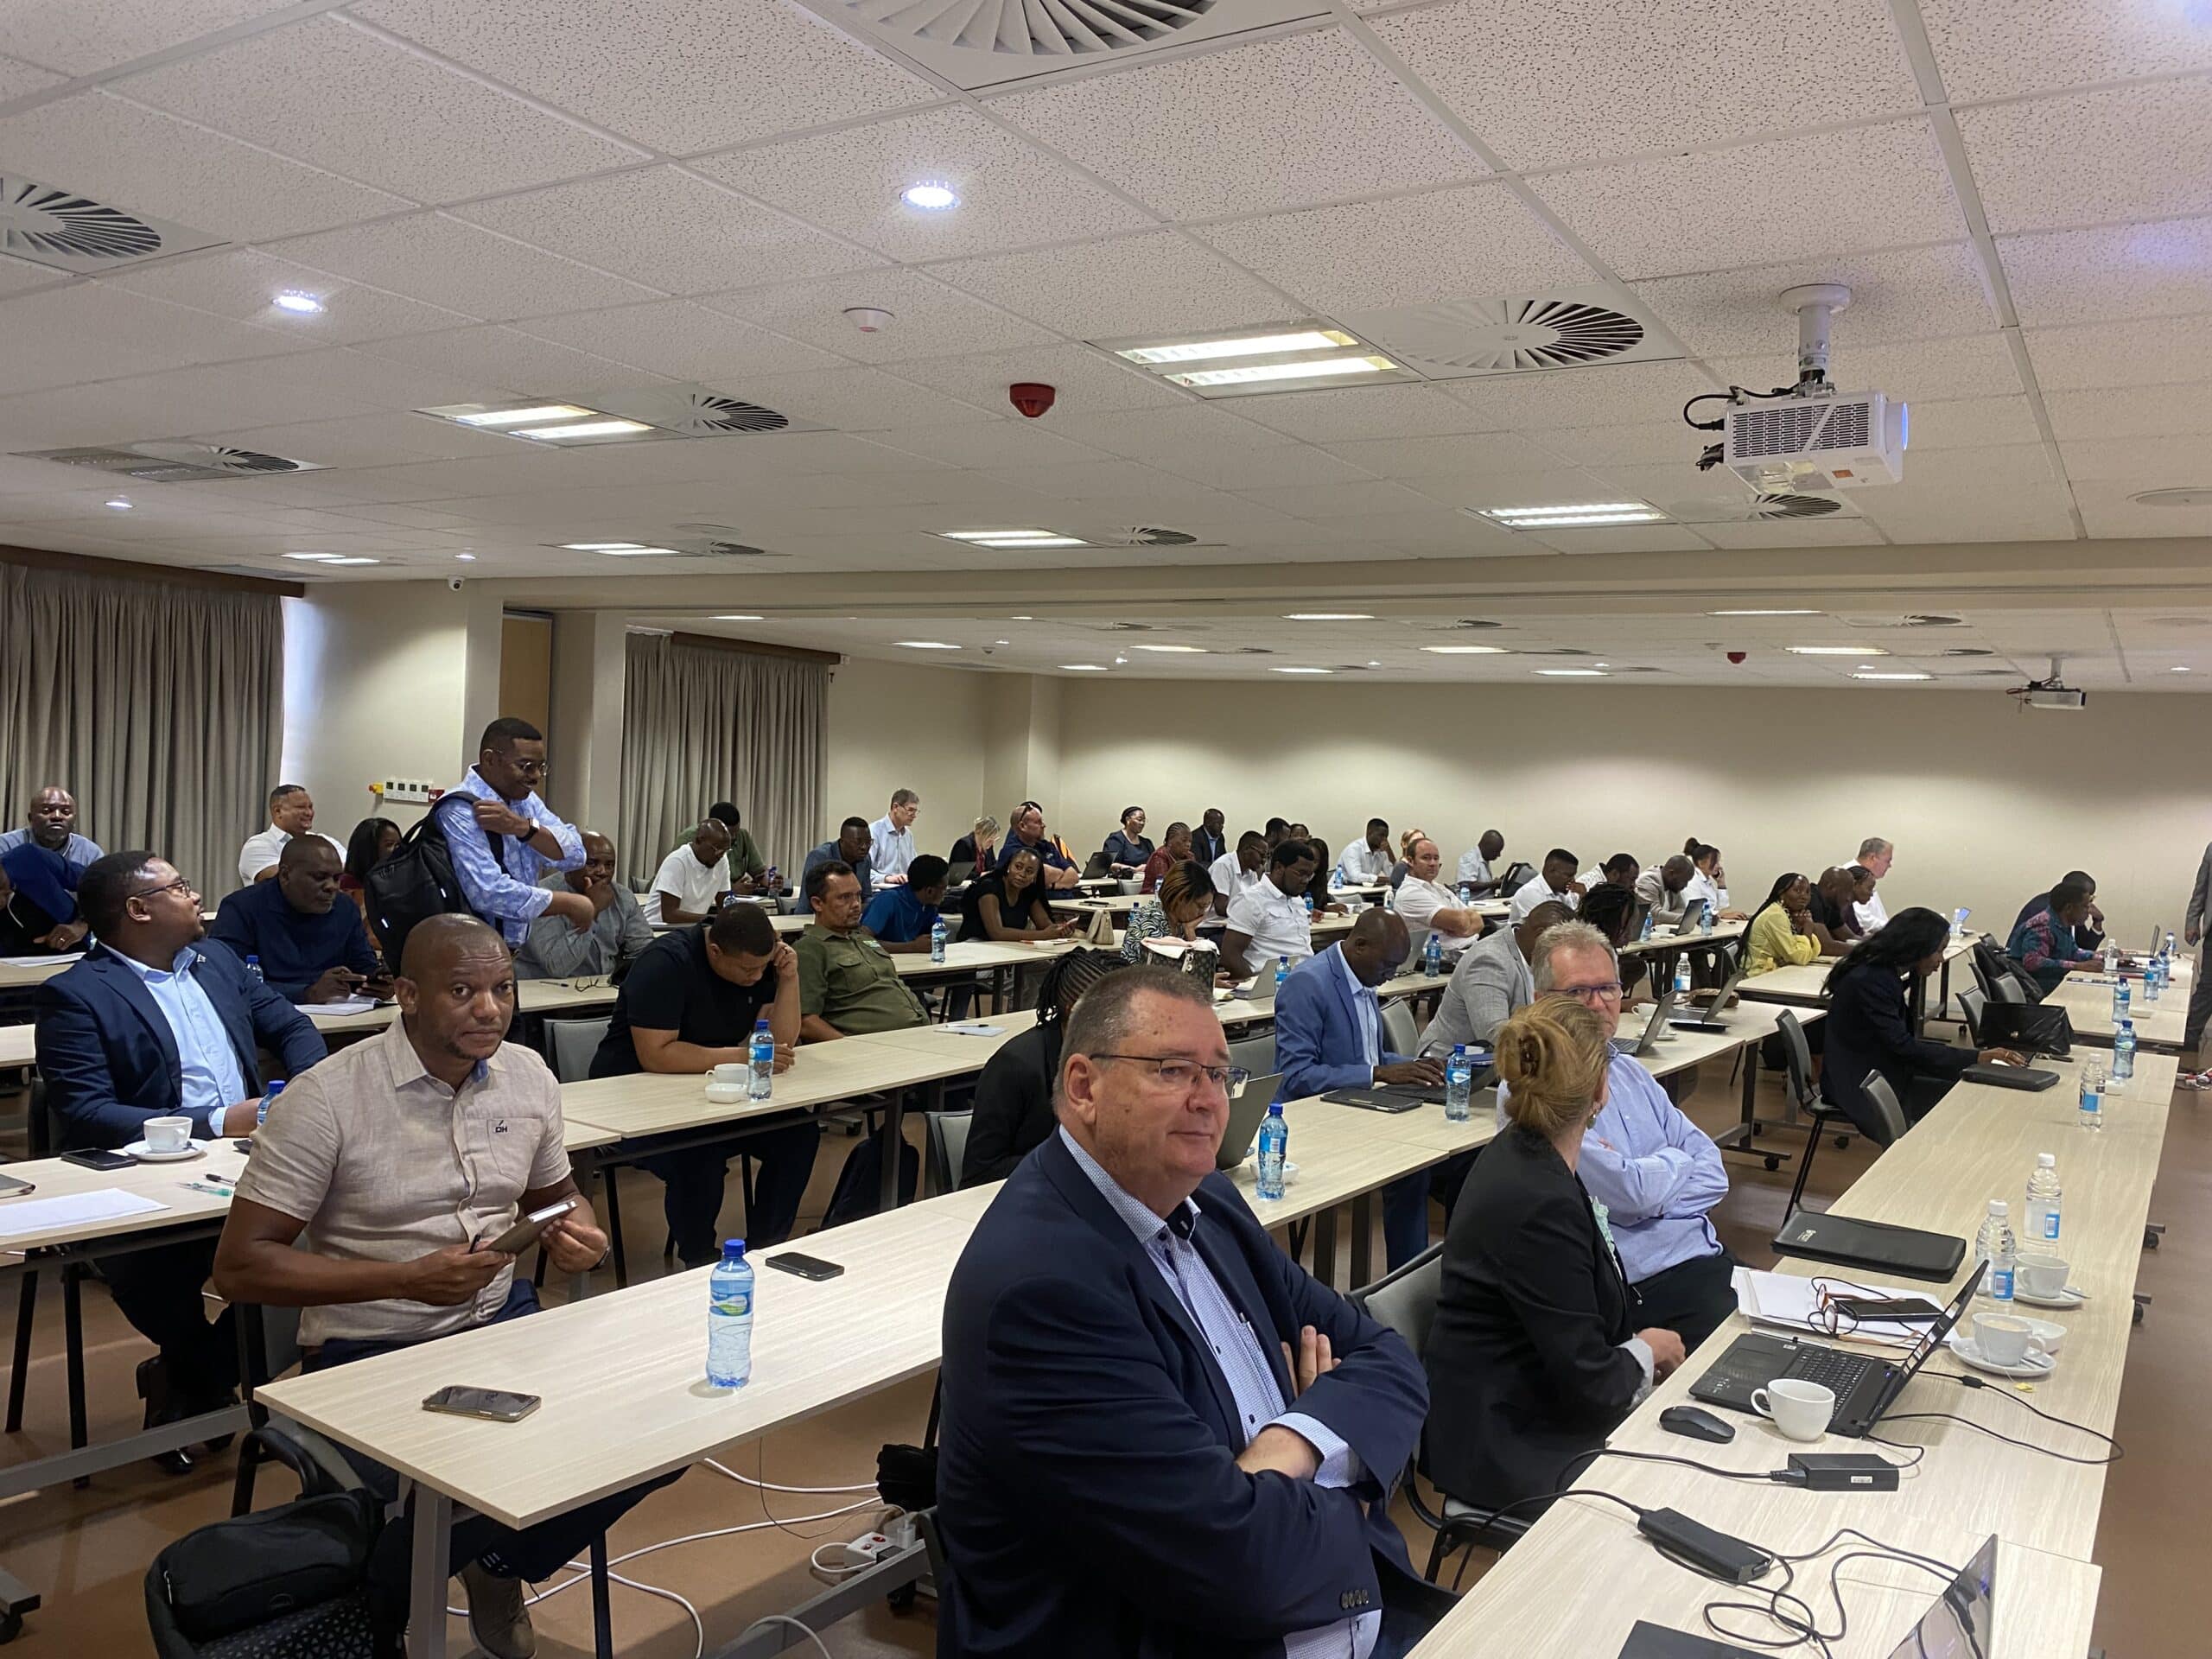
(73, 1329)
(433, 1560)
(1325, 1247)
(894, 1137)
(1363, 1239)
(581, 1166)
(19, 1372)
(602, 1615)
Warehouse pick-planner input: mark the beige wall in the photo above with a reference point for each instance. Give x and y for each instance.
(1987, 803)
(891, 726)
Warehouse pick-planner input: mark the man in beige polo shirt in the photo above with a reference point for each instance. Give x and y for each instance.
(389, 1162)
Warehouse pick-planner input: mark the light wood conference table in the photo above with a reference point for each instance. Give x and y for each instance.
(2087, 998)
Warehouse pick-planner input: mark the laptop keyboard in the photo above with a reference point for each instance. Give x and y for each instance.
(1829, 1367)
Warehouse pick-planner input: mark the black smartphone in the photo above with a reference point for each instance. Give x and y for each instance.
(92, 1157)
(806, 1266)
(12, 1188)
(524, 1234)
(1906, 1310)
(496, 1405)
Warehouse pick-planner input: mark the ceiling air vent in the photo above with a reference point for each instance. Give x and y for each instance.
(173, 463)
(1570, 327)
(64, 231)
(1910, 619)
(1146, 535)
(978, 43)
(737, 550)
(1774, 507)
(702, 412)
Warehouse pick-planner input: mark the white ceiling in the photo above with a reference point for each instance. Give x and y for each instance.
(507, 200)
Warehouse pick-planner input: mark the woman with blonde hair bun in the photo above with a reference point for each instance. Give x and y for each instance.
(1535, 1355)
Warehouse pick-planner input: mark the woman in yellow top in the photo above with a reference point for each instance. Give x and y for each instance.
(1781, 934)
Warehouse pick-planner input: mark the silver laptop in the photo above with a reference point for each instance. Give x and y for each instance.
(1654, 1029)
(1708, 1019)
(1958, 1626)
(1246, 1108)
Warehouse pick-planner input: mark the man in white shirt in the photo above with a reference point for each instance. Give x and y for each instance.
(1875, 856)
(1371, 860)
(692, 880)
(1619, 869)
(1554, 884)
(291, 812)
(891, 839)
(1429, 906)
(1269, 919)
(1474, 864)
(1236, 872)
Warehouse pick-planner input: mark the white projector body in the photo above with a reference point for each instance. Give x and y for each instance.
(2055, 696)
(1846, 442)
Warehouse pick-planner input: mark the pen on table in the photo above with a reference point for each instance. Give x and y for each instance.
(202, 1186)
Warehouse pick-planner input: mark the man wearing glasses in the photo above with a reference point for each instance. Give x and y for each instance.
(1160, 1434)
(499, 878)
(152, 1023)
(1655, 1174)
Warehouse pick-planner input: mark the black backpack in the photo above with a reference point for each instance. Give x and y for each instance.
(286, 1582)
(417, 882)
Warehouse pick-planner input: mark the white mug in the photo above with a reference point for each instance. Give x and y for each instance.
(729, 1074)
(1801, 1410)
(167, 1133)
(2006, 1340)
(2042, 1275)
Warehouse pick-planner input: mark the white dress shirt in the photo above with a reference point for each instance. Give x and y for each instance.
(1419, 900)
(262, 851)
(695, 886)
(1700, 886)
(1362, 863)
(1534, 892)
(1276, 923)
(891, 849)
(1473, 867)
(1230, 878)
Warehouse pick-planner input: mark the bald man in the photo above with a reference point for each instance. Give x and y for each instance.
(694, 880)
(1329, 1036)
(395, 1161)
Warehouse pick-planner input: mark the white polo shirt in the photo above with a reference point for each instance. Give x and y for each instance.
(1276, 923)
(1418, 901)
(261, 852)
(1361, 863)
(1534, 892)
(694, 886)
(1230, 878)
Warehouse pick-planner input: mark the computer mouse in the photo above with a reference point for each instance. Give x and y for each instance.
(1695, 1423)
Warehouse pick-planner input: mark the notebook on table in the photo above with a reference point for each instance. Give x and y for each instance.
(1871, 1246)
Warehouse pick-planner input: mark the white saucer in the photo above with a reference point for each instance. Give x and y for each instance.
(2048, 1332)
(2029, 1368)
(145, 1153)
(2070, 1297)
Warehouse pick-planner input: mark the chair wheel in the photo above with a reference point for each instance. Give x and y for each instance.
(11, 1626)
(1774, 1163)
(1842, 1141)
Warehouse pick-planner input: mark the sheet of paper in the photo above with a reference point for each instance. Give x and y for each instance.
(21, 1216)
(1787, 1302)
(343, 1005)
(38, 962)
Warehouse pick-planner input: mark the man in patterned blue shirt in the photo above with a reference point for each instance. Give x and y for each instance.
(502, 888)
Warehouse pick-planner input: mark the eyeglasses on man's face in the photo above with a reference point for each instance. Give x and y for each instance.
(1604, 991)
(1185, 1074)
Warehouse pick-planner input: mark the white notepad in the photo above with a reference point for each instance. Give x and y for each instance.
(1788, 1302)
(20, 1216)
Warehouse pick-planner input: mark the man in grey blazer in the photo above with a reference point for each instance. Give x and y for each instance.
(1492, 979)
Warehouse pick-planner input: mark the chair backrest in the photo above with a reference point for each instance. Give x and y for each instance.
(947, 1135)
(1399, 1034)
(1884, 1100)
(2003, 988)
(1797, 1059)
(575, 1042)
(1255, 1054)
(1405, 1299)
(1971, 1003)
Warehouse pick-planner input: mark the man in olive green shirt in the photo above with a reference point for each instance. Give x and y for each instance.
(848, 985)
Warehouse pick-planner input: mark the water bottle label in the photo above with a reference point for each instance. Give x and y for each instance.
(2050, 1227)
(734, 1304)
(2000, 1283)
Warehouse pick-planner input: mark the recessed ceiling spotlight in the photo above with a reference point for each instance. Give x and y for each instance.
(1572, 516)
(1835, 651)
(1179, 651)
(2177, 668)
(117, 503)
(930, 196)
(926, 644)
(465, 558)
(1002, 642)
(1085, 668)
(740, 618)
(1301, 670)
(1119, 661)
(1374, 662)
(1328, 616)
(295, 300)
(1762, 613)
(1573, 673)
(1465, 651)
(1871, 674)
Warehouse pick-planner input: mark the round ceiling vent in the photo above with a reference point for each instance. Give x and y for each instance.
(37, 219)
(1020, 28)
(1796, 506)
(217, 458)
(1968, 650)
(2190, 496)
(1924, 620)
(1510, 334)
(702, 414)
(1148, 536)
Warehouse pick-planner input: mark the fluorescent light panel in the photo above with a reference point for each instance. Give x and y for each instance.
(1302, 670)
(1268, 357)
(522, 417)
(1328, 616)
(1199, 350)
(1575, 673)
(1465, 651)
(1179, 651)
(1085, 668)
(926, 644)
(545, 423)
(607, 428)
(1574, 515)
(1835, 651)
(1762, 613)
(1302, 369)
(1868, 674)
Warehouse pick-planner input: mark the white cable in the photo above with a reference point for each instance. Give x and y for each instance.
(770, 1486)
(806, 1631)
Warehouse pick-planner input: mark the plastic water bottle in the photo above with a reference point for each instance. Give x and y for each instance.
(1995, 1245)
(1282, 971)
(760, 1078)
(253, 969)
(2120, 1005)
(2112, 957)
(1467, 897)
(2169, 947)
(2039, 1217)
(1309, 905)
(1275, 1148)
(730, 1318)
(1705, 920)
(1681, 976)
(2151, 983)
(268, 1099)
(1958, 922)
(1458, 1085)
(937, 939)
(1432, 956)
(1389, 897)
(2123, 1057)
(2092, 1097)
(1646, 934)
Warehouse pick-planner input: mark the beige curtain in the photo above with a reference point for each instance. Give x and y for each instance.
(160, 707)
(700, 724)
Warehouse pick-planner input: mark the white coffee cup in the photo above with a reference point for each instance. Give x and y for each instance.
(2006, 1339)
(729, 1074)
(2042, 1275)
(167, 1133)
(1801, 1410)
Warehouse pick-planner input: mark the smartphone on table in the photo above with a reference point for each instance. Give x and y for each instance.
(1904, 1309)
(494, 1405)
(93, 1158)
(806, 1266)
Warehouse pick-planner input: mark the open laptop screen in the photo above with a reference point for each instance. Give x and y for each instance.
(1958, 1626)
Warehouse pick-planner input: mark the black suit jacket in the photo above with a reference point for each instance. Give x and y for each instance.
(1870, 1029)
(1524, 1367)
(1205, 846)
(1013, 1105)
(109, 1058)
(1088, 1493)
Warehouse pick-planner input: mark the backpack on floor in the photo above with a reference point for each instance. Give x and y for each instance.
(859, 1183)
(284, 1583)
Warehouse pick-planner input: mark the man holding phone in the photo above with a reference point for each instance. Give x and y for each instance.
(397, 1161)
(312, 948)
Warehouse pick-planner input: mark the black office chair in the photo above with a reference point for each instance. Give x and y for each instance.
(1405, 1300)
(1824, 1116)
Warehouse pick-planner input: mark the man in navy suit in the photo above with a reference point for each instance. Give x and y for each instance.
(1329, 1036)
(1161, 1436)
(152, 1023)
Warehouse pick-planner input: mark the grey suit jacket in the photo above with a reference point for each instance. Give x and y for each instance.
(1491, 980)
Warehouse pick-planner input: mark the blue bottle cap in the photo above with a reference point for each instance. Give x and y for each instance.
(732, 1249)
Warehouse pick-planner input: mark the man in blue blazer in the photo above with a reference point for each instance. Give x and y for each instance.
(152, 1023)
(1329, 1036)
(1161, 1436)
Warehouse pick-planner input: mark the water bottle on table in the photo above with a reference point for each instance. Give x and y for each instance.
(937, 939)
(253, 969)
(1433, 956)
(730, 1318)
(2123, 1057)
(2039, 1218)
(1458, 1085)
(1466, 895)
(1996, 1245)
(268, 1099)
(1681, 978)
(1275, 1150)
(2092, 1097)
(1282, 971)
(1646, 934)
(760, 1073)
(2150, 983)
(2119, 1000)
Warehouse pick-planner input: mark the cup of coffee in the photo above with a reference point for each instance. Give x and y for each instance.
(2042, 1275)
(730, 1074)
(2006, 1339)
(1801, 1410)
(167, 1133)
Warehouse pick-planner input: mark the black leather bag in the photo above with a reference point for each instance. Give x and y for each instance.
(2032, 1030)
(417, 882)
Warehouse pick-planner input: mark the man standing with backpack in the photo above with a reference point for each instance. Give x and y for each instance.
(510, 837)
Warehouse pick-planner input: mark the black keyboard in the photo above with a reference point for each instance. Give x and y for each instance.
(1831, 1368)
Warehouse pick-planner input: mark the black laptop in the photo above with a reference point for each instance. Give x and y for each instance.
(1864, 1384)
(1707, 1018)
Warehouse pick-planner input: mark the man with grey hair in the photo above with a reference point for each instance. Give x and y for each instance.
(1654, 1174)
(1875, 857)
(891, 839)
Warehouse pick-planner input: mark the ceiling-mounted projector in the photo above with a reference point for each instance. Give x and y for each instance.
(2051, 692)
(1808, 437)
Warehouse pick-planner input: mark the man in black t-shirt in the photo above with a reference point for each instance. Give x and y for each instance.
(689, 1003)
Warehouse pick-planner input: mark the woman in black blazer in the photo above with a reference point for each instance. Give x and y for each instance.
(1535, 1354)
(1014, 1096)
(1870, 1024)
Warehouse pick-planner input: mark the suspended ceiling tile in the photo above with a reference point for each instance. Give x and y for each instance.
(1485, 454)
(513, 360)
(1911, 294)
(927, 318)
(83, 37)
(1341, 414)
(1614, 394)
(2087, 158)
(2117, 414)
(241, 285)
(856, 399)
(2119, 270)
(2177, 351)
(679, 339)
(441, 261)
(1085, 379)
(1974, 365)
(1971, 423)
(1159, 283)
(1988, 48)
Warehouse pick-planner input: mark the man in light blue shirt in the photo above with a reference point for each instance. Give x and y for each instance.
(1653, 1173)
(502, 789)
(891, 838)
(52, 822)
